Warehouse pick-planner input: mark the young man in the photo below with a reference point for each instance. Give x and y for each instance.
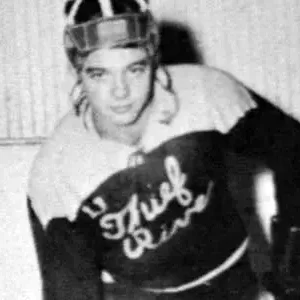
(129, 197)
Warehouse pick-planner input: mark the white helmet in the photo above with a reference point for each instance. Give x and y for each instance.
(110, 26)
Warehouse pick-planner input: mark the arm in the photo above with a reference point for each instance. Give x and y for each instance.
(270, 141)
(66, 254)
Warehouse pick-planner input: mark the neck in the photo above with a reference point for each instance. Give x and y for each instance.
(125, 134)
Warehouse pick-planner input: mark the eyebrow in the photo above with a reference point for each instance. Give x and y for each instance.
(93, 69)
(143, 61)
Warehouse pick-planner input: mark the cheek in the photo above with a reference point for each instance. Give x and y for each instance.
(142, 88)
(96, 91)
(95, 97)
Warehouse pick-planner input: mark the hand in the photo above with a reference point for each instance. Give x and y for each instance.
(264, 295)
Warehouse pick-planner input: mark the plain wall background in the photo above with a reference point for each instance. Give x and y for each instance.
(258, 41)
(19, 276)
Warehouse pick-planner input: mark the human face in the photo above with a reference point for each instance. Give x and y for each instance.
(118, 84)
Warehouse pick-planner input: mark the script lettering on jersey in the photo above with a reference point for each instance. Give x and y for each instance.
(127, 223)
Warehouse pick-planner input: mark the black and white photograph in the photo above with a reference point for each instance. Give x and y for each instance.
(150, 149)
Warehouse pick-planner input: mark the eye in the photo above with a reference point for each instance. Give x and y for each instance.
(97, 74)
(138, 69)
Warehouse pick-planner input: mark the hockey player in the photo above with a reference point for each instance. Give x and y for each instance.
(129, 197)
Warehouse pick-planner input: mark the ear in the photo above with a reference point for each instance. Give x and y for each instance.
(163, 77)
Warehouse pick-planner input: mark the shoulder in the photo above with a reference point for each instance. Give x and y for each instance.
(220, 94)
(195, 73)
(45, 184)
(205, 79)
(65, 133)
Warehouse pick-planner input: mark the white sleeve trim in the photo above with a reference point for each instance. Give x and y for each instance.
(228, 263)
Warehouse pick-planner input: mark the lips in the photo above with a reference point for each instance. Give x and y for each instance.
(121, 109)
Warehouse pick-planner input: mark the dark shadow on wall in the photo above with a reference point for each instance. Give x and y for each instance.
(178, 45)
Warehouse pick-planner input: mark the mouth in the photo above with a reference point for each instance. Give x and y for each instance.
(121, 109)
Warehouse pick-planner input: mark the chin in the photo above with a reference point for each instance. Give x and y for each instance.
(124, 121)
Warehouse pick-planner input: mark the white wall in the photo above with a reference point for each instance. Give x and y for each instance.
(32, 67)
(19, 276)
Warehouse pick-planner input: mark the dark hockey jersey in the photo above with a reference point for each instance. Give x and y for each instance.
(158, 216)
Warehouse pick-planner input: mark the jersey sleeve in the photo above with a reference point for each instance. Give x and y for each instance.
(66, 249)
(68, 266)
(267, 138)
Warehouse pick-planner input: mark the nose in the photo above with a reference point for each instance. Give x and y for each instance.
(120, 87)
